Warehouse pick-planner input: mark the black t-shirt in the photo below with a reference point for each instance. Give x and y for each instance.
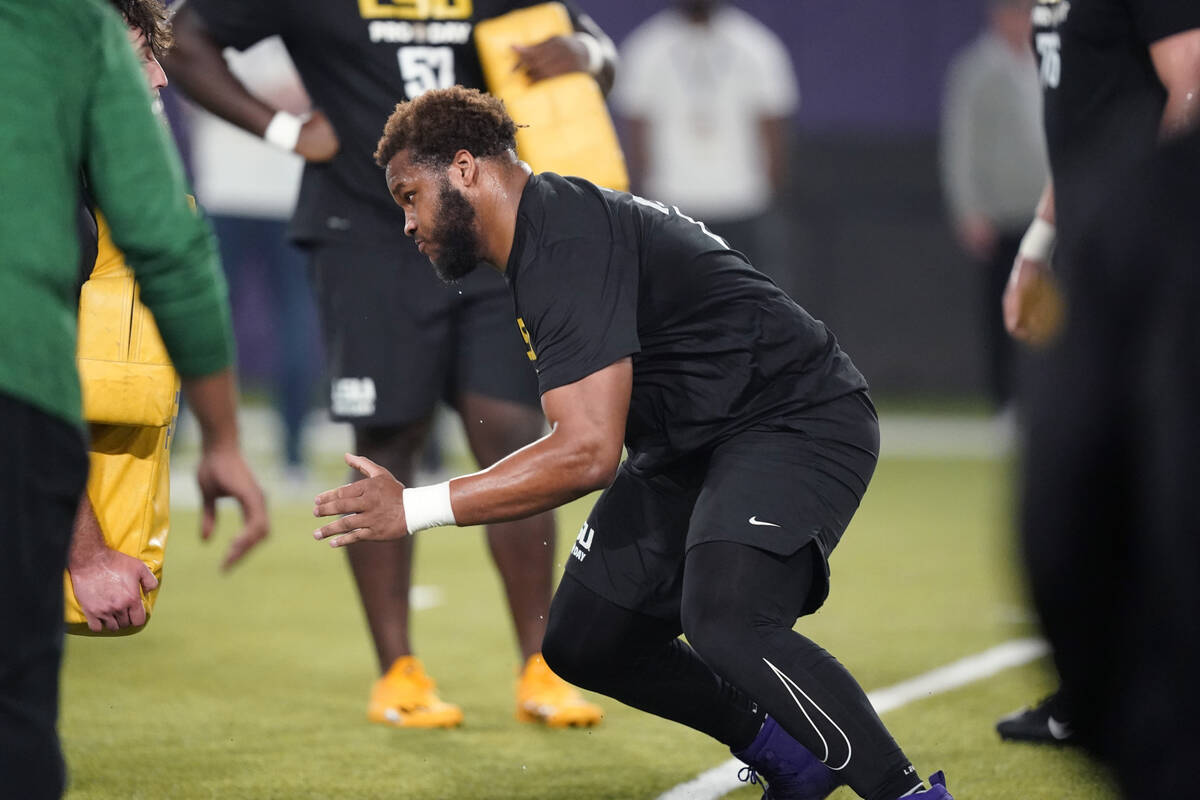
(716, 346)
(357, 61)
(1103, 100)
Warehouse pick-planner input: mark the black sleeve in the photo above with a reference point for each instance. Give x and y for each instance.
(578, 301)
(242, 23)
(1158, 19)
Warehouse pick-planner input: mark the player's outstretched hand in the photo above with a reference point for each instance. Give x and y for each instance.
(318, 140)
(108, 588)
(556, 56)
(372, 508)
(224, 473)
(1033, 308)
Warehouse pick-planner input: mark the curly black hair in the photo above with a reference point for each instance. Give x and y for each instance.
(152, 19)
(439, 123)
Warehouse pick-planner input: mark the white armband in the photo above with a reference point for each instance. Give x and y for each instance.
(428, 507)
(283, 130)
(1038, 242)
(595, 52)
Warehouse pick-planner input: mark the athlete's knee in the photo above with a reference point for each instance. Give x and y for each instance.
(393, 447)
(593, 643)
(496, 428)
(726, 638)
(574, 656)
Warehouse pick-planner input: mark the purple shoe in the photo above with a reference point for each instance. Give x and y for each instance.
(791, 772)
(937, 790)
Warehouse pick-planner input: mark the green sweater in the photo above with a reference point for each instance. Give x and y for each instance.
(73, 99)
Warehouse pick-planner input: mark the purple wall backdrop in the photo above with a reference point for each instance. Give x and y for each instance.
(863, 65)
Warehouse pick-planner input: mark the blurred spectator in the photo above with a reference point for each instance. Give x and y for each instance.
(249, 189)
(708, 93)
(993, 162)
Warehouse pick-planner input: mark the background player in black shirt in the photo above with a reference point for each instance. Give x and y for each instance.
(1113, 459)
(750, 436)
(396, 340)
(1117, 76)
(1114, 454)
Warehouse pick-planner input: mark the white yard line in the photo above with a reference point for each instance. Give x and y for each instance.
(721, 780)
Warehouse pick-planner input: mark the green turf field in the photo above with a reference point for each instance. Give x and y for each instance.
(253, 684)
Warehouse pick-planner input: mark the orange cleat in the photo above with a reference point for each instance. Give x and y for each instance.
(544, 697)
(406, 697)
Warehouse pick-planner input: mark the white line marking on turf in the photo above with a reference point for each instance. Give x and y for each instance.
(423, 597)
(722, 779)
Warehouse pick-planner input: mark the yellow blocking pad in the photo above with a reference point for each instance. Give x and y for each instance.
(569, 130)
(131, 398)
(124, 371)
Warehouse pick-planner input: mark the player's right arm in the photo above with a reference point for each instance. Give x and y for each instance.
(197, 65)
(579, 455)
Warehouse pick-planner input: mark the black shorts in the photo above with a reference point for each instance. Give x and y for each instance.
(397, 339)
(774, 489)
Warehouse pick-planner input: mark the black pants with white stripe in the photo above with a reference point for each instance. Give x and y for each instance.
(742, 658)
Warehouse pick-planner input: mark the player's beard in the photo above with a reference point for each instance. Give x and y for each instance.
(456, 235)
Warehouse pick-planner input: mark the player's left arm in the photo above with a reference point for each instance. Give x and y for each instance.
(588, 50)
(579, 455)
(1176, 59)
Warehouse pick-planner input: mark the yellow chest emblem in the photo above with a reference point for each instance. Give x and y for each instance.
(416, 9)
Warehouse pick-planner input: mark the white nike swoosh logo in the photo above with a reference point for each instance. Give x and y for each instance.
(756, 521)
(1059, 730)
(822, 723)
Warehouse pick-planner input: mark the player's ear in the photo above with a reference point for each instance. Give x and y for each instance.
(464, 168)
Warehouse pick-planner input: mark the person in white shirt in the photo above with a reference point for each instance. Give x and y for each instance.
(706, 83)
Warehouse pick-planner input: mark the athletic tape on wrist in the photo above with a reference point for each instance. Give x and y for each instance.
(1038, 242)
(283, 130)
(595, 53)
(428, 507)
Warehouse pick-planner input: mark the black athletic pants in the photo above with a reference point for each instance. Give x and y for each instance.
(742, 659)
(41, 478)
(1110, 526)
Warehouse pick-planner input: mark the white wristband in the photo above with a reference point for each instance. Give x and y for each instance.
(1038, 242)
(283, 131)
(428, 507)
(595, 53)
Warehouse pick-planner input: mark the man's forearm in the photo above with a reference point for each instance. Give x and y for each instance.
(197, 65)
(1177, 63)
(86, 537)
(606, 74)
(213, 400)
(774, 134)
(1045, 206)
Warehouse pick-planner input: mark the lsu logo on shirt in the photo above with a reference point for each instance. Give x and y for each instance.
(416, 9)
(583, 542)
(528, 344)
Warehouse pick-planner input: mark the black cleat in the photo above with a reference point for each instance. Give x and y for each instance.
(1044, 723)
